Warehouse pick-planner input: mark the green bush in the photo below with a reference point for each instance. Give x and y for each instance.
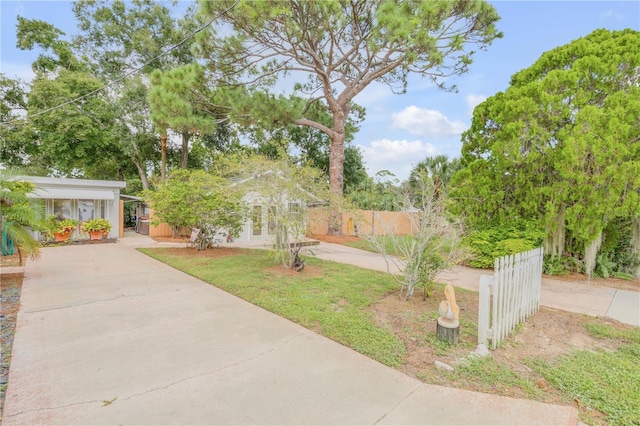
(558, 265)
(513, 245)
(488, 244)
(430, 264)
(616, 256)
(605, 267)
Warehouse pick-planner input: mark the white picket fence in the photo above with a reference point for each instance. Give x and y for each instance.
(510, 296)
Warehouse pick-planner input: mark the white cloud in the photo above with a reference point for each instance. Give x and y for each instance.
(397, 156)
(612, 14)
(473, 100)
(421, 121)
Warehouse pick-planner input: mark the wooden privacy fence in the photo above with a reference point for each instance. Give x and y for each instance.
(510, 296)
(360, 222)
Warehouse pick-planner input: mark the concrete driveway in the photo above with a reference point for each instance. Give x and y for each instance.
(107, 335)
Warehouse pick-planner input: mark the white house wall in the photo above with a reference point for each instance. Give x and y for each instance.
(100, 192)
(254, 199)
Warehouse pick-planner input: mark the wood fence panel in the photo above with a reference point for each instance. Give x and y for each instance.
(162, 230)
(516, 292)
(317, 221)
(360, 222)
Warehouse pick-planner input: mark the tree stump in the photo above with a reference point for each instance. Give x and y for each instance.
(448, 331)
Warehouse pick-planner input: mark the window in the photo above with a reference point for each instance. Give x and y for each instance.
(63, 209)
(81, 210)
(86, 210)
(101, 209)
(294, 209)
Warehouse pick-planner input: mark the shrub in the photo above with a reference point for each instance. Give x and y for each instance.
(197, 199)
(558, 265)
(488, 244)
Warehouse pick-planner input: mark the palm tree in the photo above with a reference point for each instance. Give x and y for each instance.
(438, 170)
(17, 215)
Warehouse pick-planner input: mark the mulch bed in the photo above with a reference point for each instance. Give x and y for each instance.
(10, 286)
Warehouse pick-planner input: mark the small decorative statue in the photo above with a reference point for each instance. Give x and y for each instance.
(448, 324)
(449, 309)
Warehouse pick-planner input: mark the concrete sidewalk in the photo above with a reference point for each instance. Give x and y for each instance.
(107, 335)
(581, 298)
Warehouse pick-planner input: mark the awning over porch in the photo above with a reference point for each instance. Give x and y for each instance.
(72, 194)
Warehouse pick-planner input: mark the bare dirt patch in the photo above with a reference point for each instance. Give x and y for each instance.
(617, 283)
(10, 288)
(11, 260)
(180, 239)
(308, 271)
(546, 335)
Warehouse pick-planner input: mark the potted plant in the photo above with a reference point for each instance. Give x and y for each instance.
(96, 228)
(60, 230)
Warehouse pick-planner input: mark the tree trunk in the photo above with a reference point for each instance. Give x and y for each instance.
(336, 164)
(163, 164)
(336, 168)
(142, 173)
(185, 149)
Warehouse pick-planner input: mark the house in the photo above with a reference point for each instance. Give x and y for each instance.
(260, 225)
(79, 199)
(269, 200)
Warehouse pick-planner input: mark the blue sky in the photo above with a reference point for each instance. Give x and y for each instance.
(401, 130)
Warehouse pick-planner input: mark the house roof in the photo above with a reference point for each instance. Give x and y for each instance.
(64, 188)
(126, 197)
(240, 180)
(41, 181)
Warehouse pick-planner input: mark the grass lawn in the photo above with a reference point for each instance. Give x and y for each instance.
(608, 381)
(558, 357)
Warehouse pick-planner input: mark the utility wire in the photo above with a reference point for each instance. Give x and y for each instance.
(133, 71)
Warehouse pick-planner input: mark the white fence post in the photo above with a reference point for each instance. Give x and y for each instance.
(484, 308)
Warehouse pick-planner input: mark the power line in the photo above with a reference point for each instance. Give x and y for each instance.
(133, 71)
